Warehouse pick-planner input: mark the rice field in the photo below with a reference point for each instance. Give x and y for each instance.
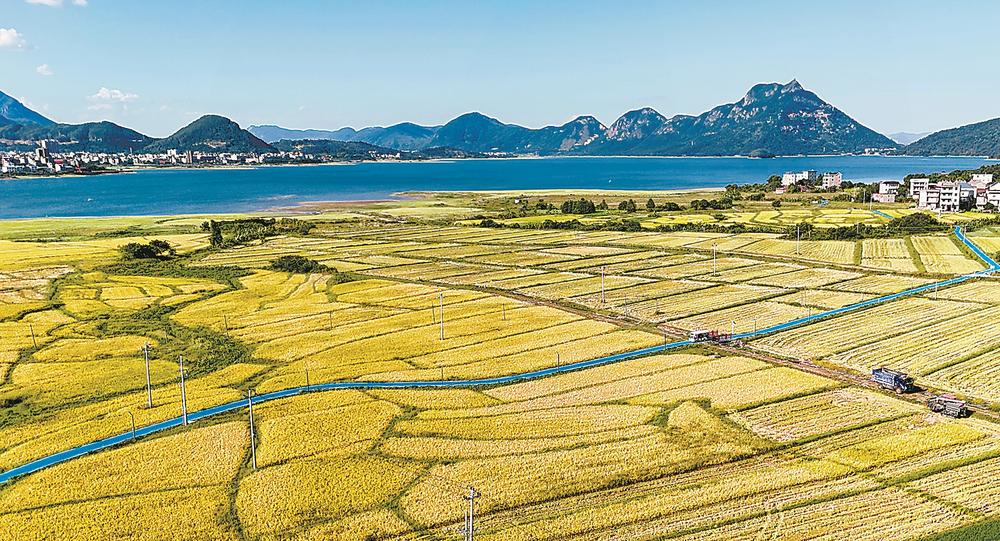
(941, 255)
(689, 444)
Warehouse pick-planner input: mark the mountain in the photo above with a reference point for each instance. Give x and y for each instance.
(16, 112)
(89, 137)
(770, 119)
(403, 136)
(905, 138)
(476, 132)
(636, 125)
(211, 133)
(338, 150)
(574, 135)
(979, 139)
(272, 134)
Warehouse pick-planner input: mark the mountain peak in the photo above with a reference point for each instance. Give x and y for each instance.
(212, 133)
(637, 124)
(16, 112)
(792, 86)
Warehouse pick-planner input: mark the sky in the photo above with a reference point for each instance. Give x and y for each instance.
(154, 66)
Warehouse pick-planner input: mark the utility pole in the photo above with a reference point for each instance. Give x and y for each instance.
(732, 328)
(330, 314)
(31, 329)
(602, 284)
(133, 424)
(715, 262)
(225, 322)
(253, 433)
(503, 311)
(149, 388)
(307, 376)
(184, 405)
(441, 312)
(798, 237)
(755, 326)
(470, 515)
(558, 359)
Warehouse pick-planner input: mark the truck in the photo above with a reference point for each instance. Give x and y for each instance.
(892, 380)
(698, 336)
(948, 405)
(709, 336)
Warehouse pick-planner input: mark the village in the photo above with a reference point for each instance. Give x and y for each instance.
(979, 192)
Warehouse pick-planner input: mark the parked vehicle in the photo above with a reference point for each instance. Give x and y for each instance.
(892, 380)
(709, 336)
(948, 405)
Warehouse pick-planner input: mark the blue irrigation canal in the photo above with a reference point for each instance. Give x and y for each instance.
(98, 445)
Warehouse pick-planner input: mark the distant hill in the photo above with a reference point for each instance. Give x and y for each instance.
(272, 134)
(89, 137)
(477, 132)
(403, 136)
(15, 112)
(358, 150)
(979, 139)
(211, 133)
(338, 150)
(905, 138)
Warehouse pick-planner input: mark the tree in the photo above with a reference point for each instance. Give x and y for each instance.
(603, 205)
(650, 205)
(583, 206)
(215, 236)
(154, 249)
(628, 206)
(298, 264)
(671, 206)
(775, 203)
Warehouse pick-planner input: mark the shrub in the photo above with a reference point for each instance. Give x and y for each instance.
(298, 264)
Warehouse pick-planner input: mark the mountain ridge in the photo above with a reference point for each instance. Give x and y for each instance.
(976, 139)
(770, 119)
(16, 112)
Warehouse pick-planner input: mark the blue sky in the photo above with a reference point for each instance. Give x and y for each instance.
(154, 66)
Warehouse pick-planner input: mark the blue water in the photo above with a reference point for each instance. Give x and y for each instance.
(162, 192)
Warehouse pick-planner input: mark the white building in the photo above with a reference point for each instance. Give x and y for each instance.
(887, 191)
(946, 196)
(918, 185)
(992, 196)
(832, 180)
(795, 177)
(981, 180)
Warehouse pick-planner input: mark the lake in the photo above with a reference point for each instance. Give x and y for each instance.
(179, 191)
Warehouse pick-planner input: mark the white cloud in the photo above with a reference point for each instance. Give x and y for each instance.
(44, 70)
(56, 3)
(10, 38)
(113, 95)
(99, 107)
